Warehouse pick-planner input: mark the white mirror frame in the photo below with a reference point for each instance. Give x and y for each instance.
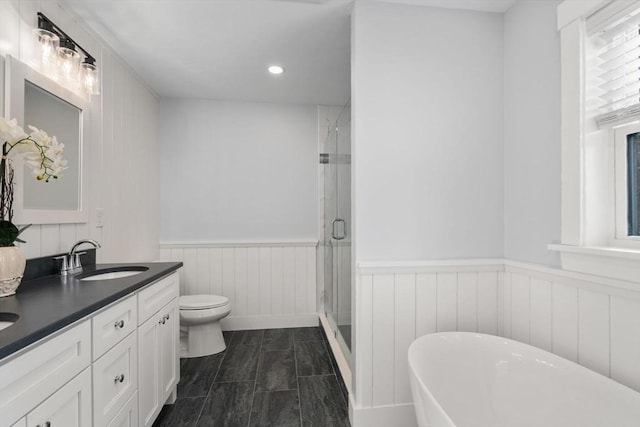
(16, 73)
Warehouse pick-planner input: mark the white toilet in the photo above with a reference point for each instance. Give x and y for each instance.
(200, 331)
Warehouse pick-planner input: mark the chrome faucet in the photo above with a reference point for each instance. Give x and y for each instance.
(71, 261)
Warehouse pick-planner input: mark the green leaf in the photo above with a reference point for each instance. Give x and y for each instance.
(8, 233)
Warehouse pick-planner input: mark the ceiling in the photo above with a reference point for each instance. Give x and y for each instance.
(220, 49)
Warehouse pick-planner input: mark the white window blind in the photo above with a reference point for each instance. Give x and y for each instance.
(614, 63)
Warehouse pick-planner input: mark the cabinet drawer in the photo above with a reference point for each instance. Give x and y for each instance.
(33, 376)
(69, 407)
(113, 324)
(128, 415)
(156, 296)
(115, 380)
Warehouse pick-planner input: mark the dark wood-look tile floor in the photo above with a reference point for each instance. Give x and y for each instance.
(271, 377)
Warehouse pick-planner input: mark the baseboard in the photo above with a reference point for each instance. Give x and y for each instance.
(385, 416)
(269, 322)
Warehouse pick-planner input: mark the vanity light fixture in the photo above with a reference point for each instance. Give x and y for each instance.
(49, 43)
(59, 57)
(68, 60)
(276, 69)
(91, 78)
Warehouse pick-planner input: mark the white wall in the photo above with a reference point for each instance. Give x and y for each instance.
(427, 120)
(239, 171)
(123, 169)
(531, 132)
(428, 184)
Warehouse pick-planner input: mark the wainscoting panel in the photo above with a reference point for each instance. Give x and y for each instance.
(591, 320)
(393, 308)
(268, 284)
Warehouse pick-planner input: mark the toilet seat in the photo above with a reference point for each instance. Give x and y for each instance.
(202, 302)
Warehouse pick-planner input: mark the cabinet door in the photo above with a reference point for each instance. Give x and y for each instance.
(29, 379)
(153, 298)
(115, 379)
(128, 415)
(169, 348)
(68, 407)
(148, 371)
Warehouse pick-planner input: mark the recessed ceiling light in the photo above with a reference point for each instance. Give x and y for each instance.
(276, 69)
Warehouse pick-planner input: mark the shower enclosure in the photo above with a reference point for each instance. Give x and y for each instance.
(335, 159)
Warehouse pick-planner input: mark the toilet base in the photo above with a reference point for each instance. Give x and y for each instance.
(201, 340)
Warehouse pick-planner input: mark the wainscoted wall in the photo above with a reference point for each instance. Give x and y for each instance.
(591, 320)
(588, 319)
(397, 302)
(269, 284)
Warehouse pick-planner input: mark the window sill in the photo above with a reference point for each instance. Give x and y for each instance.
(614, 262)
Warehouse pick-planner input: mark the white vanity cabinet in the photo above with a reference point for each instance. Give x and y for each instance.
(113, 324)
(158, 337)
(36, 376)
(128, 415)
(115, 380)
(116, 367)
(68, 407)
(115, 359)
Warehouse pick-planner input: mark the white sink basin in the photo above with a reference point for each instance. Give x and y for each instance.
(7, 319)
(117, 274)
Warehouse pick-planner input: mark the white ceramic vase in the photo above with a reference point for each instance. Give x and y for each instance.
(12, 264)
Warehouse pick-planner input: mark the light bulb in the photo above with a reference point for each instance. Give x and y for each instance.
(49, 44)
(68, 60)
(90, 78)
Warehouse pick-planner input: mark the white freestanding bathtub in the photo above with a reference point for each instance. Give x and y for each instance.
(464, 379)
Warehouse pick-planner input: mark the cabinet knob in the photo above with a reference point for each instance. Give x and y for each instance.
(162, 321)
(166, 317)
(47, 424)
(119, 324)
(118, 379)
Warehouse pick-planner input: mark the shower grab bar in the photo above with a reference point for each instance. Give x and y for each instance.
(333, 229)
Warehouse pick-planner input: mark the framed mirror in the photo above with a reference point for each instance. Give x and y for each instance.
(34, 99)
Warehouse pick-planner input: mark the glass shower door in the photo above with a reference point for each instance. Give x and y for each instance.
(337, 236)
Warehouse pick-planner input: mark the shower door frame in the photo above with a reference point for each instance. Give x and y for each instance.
(337, 251)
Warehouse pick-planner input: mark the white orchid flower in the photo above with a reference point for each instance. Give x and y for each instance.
(42, 153)
(10, 131)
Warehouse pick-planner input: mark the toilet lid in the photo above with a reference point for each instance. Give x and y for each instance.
(201, 302)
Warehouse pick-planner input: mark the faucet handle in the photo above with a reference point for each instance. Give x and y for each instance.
(75, 259)
(65, 263)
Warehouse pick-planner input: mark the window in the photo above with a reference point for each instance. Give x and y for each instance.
(627, 186)
(614, 65)
(600, 135)
(633, 163)
(613, 103)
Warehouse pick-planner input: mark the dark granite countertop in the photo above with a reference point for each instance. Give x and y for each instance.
(48, 304)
